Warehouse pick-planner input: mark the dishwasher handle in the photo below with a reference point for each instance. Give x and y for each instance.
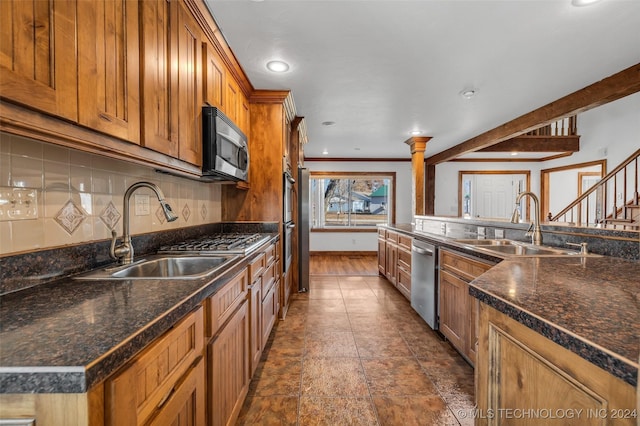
(422, 251)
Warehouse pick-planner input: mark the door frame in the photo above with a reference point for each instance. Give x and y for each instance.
(527, 174)
(545, 174)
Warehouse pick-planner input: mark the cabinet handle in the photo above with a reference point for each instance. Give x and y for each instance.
(423, 251)
(104, 117)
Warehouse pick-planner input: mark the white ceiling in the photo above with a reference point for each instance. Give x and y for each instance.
(380, 69)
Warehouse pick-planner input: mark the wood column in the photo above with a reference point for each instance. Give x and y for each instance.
(418, 145)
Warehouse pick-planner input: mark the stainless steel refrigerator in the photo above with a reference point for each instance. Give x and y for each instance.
(303, 229)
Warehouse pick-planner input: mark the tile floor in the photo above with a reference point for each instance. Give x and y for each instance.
(353, 352)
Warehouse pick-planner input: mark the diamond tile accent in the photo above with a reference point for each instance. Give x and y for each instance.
(70, 217)
(110, 216)
(186, 212)
(160, 215)
(203, 212)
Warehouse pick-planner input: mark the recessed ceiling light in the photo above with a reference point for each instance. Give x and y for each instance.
(277, 66)
(580, 3)
(514, 153)
(325, 152)
(416, 132)
(328, 123)
(468, 93)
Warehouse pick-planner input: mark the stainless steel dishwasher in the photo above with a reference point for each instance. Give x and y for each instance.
(424, 288)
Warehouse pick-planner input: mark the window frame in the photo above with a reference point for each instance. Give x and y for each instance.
(357, 175)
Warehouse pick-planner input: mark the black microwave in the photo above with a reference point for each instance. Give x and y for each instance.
(226, 156)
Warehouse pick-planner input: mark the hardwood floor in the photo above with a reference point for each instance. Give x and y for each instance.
(352, 351)
(343, 264)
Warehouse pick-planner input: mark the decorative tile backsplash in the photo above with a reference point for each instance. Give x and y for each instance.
(79, 196)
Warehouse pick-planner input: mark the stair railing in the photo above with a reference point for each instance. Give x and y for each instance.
(612, 202)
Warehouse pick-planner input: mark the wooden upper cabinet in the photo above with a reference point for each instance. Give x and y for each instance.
(172, 80)
(189, 91)
(38, 56)
(214, 84)
(108, 63)
(232, 98)
(160, 129)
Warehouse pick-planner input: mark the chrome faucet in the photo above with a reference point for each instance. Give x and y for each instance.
(534, 230)
(124, 251)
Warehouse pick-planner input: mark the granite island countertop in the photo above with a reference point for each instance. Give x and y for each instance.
(68, 335)
(588, 305)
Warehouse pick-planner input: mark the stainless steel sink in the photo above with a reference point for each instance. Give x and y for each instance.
(486, 242)
(163, 268)
(516, 248)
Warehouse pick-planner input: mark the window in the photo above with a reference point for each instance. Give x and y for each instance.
(353, 201)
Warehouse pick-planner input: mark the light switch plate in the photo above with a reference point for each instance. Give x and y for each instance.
(18, 204)
(499, 234)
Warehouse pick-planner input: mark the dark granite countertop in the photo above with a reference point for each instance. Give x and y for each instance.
(66, 336)
(588, 305)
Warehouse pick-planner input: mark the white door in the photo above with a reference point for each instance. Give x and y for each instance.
(495, 195)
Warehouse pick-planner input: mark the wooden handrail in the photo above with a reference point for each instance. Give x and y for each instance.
(602, 182)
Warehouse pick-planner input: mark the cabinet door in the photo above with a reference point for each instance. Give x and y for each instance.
(186, 406)
(269, 311)
(229, 369)
(214, 83)
(159, 106)
(189, 87)
(382, 256)
(255, 324)
(232, 98)
(520, 369)
(108, 61)
(392, 263)
(38, 65)
(454, 314)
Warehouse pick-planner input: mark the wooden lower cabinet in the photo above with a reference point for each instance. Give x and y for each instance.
(270, 307)
(255, 324)
(519, 369)
(458, 318)
(454, 310)
(382, 256)
(154, 382)
(186, 406)
(228, 373)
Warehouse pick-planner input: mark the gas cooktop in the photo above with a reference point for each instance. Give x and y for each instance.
(218, 244)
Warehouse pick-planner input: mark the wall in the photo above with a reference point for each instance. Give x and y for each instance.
(611, 131)
(80, 196)
(363, 241)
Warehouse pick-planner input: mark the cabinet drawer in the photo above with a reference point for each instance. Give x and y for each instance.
(392, 236)
(466, 268)
(134, 393)
(404, 283)
(404, 260)
(256, 267)
(222, 304)
(405, 241)
(382, 233)
(269, 278)
(270, 254)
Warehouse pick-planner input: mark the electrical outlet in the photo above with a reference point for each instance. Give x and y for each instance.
(499, 234)
(443, 228)
(481, 231)
(18, 203)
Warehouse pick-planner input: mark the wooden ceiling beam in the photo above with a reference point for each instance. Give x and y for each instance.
(536, 144)
(612, 88)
